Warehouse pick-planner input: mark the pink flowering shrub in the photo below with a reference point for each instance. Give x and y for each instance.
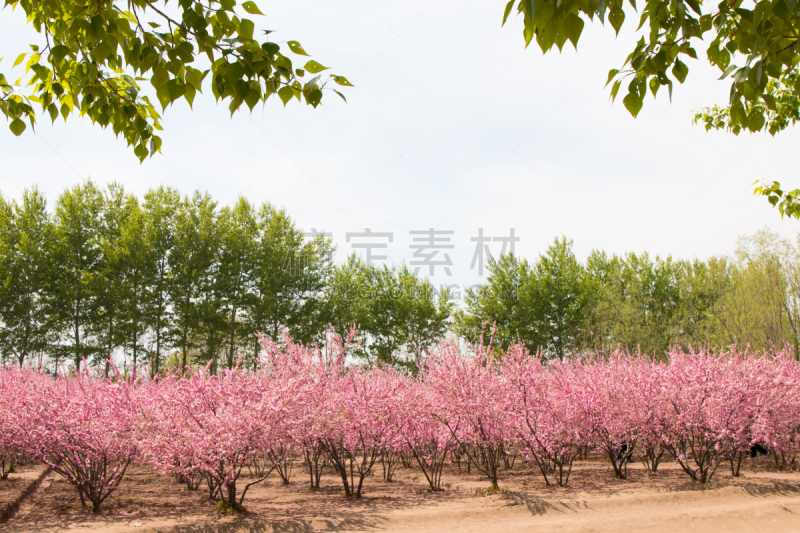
(544, 424)
(306, 402)
(81, 427)
(211, 425)
(472, 403)
(14, 387)
(426, 439)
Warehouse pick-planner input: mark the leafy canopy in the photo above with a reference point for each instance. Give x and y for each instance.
(100, 54)
(753, 44)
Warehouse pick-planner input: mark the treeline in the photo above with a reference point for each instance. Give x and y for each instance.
(170, 280)
(562, 306)
(180, 280)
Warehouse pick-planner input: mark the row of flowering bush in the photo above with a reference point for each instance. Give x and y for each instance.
(306, 405)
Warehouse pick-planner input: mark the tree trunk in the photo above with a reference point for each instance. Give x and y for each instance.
(157, 362)
(135, 341)
(231, 490)
(233, 337)
(77, 329)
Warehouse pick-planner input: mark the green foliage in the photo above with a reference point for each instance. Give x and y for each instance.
(178, 281)
(753, 44)
(787, 202)
(761, 35)
(159, 211)
(398, 314)
(501, 303)
(634, 302)
(77, 260)
(560, 307)
(541, 304)
(98, 55)
(291, 275)
(26, 233)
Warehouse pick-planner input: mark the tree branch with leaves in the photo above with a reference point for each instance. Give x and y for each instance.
(100, 54)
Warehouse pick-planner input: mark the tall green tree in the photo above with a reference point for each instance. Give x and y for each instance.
(239, 241)
(544, 305)
(192, 260)
(138, 267)
(560, 298)
(505, 304)
(347, 297)
(77, 257)
(109, 282)
(756, 304)
(291, 274)
(159, 211)
(26, 238)
(407, 316)
(635, 302)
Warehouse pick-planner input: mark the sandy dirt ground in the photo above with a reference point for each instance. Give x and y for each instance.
(761, 500)
(17, 481)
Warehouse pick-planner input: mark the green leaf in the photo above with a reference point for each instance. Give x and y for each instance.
(633, 103)
(58, 52)
(615, 90)
(252, 8)
(314, 97)
(680, 70)
(755, 121)
(190, 93)
(573, 27)
(295, 47)
(101, 52)
(509, 5)
(194, 77)
(159, 78)
(313, 67)
(20, 59)
(341, 80)
(654, 86)
(246, 29)
(17, 126)
(341, 95)
(611, 74)
(728, 71)
(616, 17)
(163, 95)
(695, 6)
(285, 94)
(252, 98)
(310, 84)
(140, 151)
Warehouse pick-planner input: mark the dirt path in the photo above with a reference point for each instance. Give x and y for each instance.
(759, 501)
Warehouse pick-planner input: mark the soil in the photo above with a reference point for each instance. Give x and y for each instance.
(17, 482)
(761, 499)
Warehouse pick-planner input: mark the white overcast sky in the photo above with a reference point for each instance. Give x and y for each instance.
(452, 125)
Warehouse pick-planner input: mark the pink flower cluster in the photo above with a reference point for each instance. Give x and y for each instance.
(701, 409)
